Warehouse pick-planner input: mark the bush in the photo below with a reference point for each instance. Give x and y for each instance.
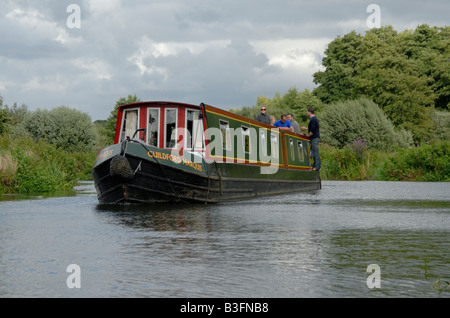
(349, 163)
(425, 163)
(343, 122)
(441, 125)
(68, 129)
(27, 166)
(3, 117)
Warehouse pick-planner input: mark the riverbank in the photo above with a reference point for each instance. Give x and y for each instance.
(29, 166)
(355, 162)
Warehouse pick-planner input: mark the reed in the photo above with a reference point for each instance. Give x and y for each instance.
(8, 169)
(440, 285)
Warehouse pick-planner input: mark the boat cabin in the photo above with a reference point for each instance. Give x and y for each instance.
(242, 140)
(158, 122)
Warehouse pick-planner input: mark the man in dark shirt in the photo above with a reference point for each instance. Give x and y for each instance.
(263, 118)
(314, 135)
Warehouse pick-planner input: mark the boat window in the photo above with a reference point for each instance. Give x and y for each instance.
(262, 141)
(300, 150)
(194, 125)
(153, 126)
(226, 138)
(170, 120)
(274, 145)
(291, 146)
(246, 139)
(129, 123)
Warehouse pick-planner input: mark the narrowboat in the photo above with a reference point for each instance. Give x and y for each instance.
(177, 152)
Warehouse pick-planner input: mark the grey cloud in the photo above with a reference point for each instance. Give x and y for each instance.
(91, 68)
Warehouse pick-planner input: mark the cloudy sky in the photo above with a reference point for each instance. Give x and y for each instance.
(222, 52)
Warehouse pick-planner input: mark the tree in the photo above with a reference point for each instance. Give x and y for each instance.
(441, 127)
(3, 117)
(306, 99)
(16, 113)
(292, 101)
(430, 48)
(110, 125)
(341, 56)
(406, 74)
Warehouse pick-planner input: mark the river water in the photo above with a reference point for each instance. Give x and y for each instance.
(310, 244)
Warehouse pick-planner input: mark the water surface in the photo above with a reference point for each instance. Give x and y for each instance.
(309, 244)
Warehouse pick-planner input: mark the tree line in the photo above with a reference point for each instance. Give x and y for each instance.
(406, 74)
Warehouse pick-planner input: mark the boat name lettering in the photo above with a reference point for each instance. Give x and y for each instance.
(105, 153)
(175, 159)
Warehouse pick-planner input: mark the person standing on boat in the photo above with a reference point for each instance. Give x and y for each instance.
(263, 118)
(283, 122)
(295, 125)
(272, 120)
(314, 135)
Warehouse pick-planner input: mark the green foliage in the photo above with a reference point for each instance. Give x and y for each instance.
(425, 163)
(3, 117)
(430, 48)
(11, 117)
(340, 61)
(441, 125)
(29, 166)
(343, 122)
(102, 139)
(16, 114)
(109, 128)
(304, 100)
(349, 163)
(405, 74)
(66, 128)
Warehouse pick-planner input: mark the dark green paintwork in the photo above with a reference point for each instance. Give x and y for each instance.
(235, 125)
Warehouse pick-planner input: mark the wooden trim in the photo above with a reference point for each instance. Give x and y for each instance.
(284, 157)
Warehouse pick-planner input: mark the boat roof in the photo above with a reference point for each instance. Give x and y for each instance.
(158, 103)
(209, 108)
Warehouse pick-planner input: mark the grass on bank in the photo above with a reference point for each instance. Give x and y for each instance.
(425, 163)
(29, 166)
